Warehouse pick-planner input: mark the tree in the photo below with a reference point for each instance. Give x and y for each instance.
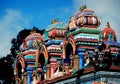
(6, 63)
(16, 42)
(6, 71)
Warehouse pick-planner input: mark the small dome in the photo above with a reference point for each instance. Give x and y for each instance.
(108, 34)
(84, 18)
(33, 36)
(31, 41)
(56, 24)
(55, 29)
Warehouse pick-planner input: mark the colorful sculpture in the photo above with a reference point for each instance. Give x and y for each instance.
(30, 54)
(79, 47)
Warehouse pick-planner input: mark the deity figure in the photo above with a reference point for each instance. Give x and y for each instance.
(87, 58)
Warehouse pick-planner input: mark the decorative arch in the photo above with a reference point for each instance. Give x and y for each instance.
(18, 69)
(68, 53)
(42, 50)
(19, 60)
(71, 41)
(38, 44)
(45, 54)
(41, 60)
(22, 61)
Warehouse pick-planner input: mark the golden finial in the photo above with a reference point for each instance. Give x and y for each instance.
(33, 30)
(108, 25)
(54, 21)
(70, 17)
(83, 7)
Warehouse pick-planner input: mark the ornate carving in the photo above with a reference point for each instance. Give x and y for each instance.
(83, 7)
(108, 25)
(76, 62)
(48, 71)
(33, 31)
(54, 21)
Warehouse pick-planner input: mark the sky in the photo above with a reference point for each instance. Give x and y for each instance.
(16, 15)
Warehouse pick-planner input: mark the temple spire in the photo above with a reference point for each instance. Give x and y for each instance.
(83, 7)
(108, 25)
(54, 21)
(33, 30)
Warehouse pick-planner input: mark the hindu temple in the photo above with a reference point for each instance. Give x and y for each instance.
(78, 52)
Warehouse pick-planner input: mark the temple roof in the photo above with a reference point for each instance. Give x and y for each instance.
(108, 30)
(33, 36)
(83, 11)
(57, 25)
(85, 17)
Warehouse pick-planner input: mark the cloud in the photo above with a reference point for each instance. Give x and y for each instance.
(63, 13)
(13, 20)
(107, 10)
(10, 24)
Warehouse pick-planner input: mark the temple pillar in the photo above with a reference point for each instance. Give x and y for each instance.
(48, 72)
(24, 78)
(53, 65)
(81, 61)
(76, 62)
(38, 72)
(66, 67)
(39, 76)
(29, 77)
(81, 53)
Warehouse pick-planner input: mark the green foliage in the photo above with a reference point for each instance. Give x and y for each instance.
(16, 42)
(6, 63)
(6, 70)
